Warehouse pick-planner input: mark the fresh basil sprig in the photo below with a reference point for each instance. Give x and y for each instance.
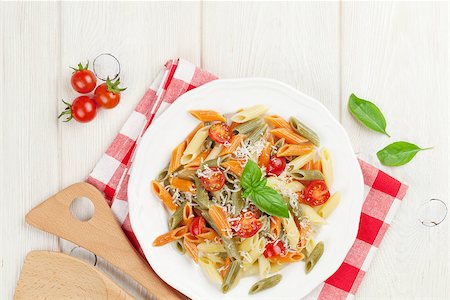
(264, 197)
(398, 153)
(367, 113)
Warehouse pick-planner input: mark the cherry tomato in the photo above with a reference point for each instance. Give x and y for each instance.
(248, 224)
(273, 249)
(276, 165)
(213, 182)
(316, 193)
(220, 133)
(83, 81)
(82, 109)
(107, 94)
(197, 226)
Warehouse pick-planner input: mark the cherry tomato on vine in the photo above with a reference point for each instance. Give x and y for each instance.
(83, 109)
(316, 193)
(197, 226)
(220, 133)
(248, 224)
(213, 182)
(107, 94)
(83, 80)
(276, 165)
(273, 249)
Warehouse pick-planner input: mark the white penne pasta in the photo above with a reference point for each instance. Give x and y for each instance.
(274, 267)
(309, 212)
(310, 246)
(295, 186)
(329, 206)
(327, 166)
(300, 161)
(194, 147)
(211, 247)
(249, 243)
(254, 253)
(214, 258)
(292, 233)
(214, 152)
(249, 113)
(210, 270)
(264, 266)
(250, 270)
(317, 208)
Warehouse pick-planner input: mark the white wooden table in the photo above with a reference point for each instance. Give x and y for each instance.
(395, 54)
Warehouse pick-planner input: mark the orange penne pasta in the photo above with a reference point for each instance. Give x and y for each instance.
(264, 158)
(193, 132)
(170, 236)
(226, 266)
(290, 257)
(191, 249)
(278, 122)
(219, 217)
(195, 164)
(193, 239)
(307, 166)
(207, 115)
(188, 215)
(208, 234)
(275, 226)
(289, 136)
(295, 149)
(175, 159)
(182, 184)
(164, 195)
(316, 165)
(234, 166)
(235, 142)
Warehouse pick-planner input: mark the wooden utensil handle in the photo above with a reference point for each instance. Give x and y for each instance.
(101, 235)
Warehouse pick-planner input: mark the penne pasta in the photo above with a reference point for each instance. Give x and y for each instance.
(187, 215)
(288, 135)
(210, 270)
(328, 207)
(219, 217)
(175, 160)
(193, 132)
(277, 122)
(193, 239)
(191, 249)
(264, 266)
(304, 130)
(235, 166)
(327, 167)
(164, 195)
(290, 257)
(214, 153)
(295, 186)
(207, 115)
(264, 158)
(176, 218)
(248, 126)
(193, 148)
(195, 164)
(265, 284)
(213, 257)
(211, 247)
(312, 215)
(300, 161)
(314, 257)
(275, 226)
(291, 230)
(226, 266)
(295, 149)
(183, 185)
(208, 234)
(235, 142)
(249, 113)
(170, 236)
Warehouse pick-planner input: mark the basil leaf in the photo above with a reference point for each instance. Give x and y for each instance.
(270, 202)
(251, 175)
(398, 153)
(367, 113)
(247, 193)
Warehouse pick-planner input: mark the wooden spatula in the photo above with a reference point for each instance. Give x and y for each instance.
(101, 235)
(54, 275)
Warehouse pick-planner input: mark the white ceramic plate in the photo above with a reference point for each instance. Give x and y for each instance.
(149, 218)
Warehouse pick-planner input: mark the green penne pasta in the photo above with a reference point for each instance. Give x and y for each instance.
(202, 198)
(314, 257)
(231, 276)
(265, 283)
(248, 126)
(180, 246)
(238, 202)
(257, 134)
(163, 175)
(307, 174)
(176, 218)
(186, 174)
(208, 144)
(304, 131)
(277, 146)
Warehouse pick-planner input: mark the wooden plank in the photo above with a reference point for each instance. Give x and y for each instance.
(396, 54)
(142, 36)
(289, 42)
(29, 49)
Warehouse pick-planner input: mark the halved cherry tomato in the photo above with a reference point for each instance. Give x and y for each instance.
(273, 249)
(276, 165)
(248, 224)
(316, 193)
(220, 133)
(83, 81)
(197, 226)
(213, 182)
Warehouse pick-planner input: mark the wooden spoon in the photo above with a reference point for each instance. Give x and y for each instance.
(54, 275)
(101, 235)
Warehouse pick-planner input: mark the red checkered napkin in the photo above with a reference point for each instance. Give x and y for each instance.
(383, 193)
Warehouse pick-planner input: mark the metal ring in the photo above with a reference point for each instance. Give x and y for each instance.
(115, 75)
(433, 223)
